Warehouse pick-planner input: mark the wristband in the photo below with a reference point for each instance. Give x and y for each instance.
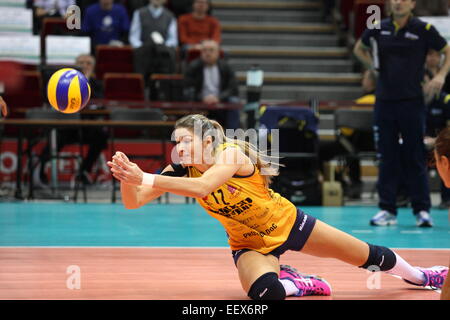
(148, 179)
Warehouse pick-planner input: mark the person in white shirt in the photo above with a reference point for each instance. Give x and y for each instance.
(49, 8)
(153, 35)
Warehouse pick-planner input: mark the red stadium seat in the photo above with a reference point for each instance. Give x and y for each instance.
(113, 59)
(169, 87)
(52, 26)
(123, 86)
(29, 95)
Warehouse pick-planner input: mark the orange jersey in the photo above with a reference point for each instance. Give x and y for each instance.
(253, 216)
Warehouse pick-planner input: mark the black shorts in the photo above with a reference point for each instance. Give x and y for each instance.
(302, 228)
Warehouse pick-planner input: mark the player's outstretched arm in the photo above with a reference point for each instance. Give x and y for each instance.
(134, 196)
(215, 176)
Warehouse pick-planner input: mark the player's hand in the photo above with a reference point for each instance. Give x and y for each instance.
(4, 107)
(434, 87)
(124, 170)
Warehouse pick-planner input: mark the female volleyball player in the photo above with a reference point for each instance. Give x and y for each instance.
(227, 181)
(442, 159)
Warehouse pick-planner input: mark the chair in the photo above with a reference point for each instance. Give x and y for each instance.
(50, 114)
(29, 96)
(360, 120)
(113, 60)
(54, 26)
(123, 86)
(168, 87)
(138, 115)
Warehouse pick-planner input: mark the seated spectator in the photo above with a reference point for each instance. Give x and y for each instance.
(211, 80)
(106, 23)
(49, 8)
(197, 26)
(153, 35)
(433, 64)
(95, 137)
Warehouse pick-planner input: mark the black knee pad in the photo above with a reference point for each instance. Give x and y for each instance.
(380, 259)
(267, 287)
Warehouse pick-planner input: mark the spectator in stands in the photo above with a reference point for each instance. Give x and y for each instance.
(399, 107)
(197, 26)
(49, 8)
(106, 23)
(211, 80)
(86, 63)
(3, 107)
(433, 64)
(95, 137)
(154, 36)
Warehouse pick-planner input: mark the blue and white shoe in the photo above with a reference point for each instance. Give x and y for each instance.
(423, 219)
(383, 218)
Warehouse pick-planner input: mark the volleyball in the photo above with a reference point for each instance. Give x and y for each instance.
(68, 90)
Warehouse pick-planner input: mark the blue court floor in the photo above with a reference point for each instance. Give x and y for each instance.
(186, 225)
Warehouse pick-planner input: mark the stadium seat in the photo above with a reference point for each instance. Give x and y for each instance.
(123, 86)
(32, 86)
(52, 26)
(113, 59)
(169, 87)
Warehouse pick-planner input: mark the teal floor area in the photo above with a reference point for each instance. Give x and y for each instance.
(186, 225)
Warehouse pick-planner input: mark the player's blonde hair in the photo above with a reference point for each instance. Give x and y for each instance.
(267, 165)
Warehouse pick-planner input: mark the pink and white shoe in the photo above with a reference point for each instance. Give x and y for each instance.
(308, 285)
(434, 277)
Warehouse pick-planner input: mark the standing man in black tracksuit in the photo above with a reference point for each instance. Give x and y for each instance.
(395, 49)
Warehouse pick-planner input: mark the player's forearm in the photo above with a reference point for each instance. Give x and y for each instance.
(129, 195)
(188, 187)
(363, 55)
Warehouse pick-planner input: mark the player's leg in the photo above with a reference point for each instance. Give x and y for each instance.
(261, 278)
(327, 241)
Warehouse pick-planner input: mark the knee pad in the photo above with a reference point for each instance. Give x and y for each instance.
(380, 259)
(267, 287)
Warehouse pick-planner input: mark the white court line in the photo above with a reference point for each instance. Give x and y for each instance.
(362, 231)
(411, 232)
